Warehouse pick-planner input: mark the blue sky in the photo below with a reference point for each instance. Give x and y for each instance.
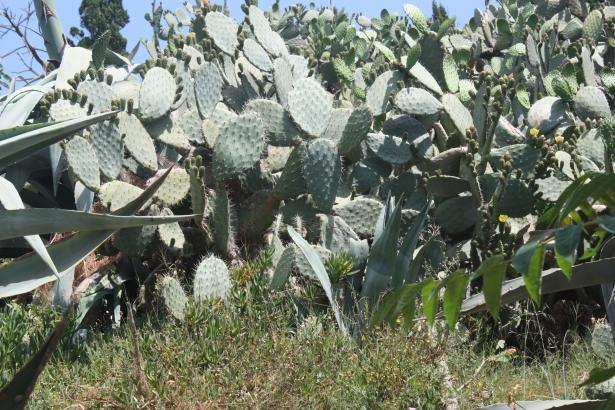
(68, 11)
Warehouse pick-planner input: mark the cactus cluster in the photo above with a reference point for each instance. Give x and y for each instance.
(300, 117)
(211, 283)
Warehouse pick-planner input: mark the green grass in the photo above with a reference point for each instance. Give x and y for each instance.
(251, 354)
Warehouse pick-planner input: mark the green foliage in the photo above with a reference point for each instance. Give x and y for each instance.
(98, 17)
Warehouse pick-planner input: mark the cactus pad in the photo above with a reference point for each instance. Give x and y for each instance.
(590, 102)
(63, 110)
(356, 129)
(310, 106)
(223, 30)
(239, 146)
(283, 79)
(208, 88)
(137, 141)
(100, 95)
(257, 55)
(456, 215)
(322, 171)
(192, 125)
(109, 146)
(280, 129)
(174, 188)
(459, 114)
(361, 214)
(222, 220)
(283, 268)
(379, 92)
(171, 234)
(157, 94)
(116, 194)
(417, 101)
(546, 114)
(83, 162)
(173, 296)
(211, 280)
(389, 148)
(292, 182)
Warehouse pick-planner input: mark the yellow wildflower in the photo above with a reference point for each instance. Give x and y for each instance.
(503, 218)
(534, 132)
(559, 139)
(398, 321)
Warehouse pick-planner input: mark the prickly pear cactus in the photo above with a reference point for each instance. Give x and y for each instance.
(298, 113)
(211, 280)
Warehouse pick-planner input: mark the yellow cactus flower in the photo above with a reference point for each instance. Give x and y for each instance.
(503, 218)
(559, 139)
(534, 132)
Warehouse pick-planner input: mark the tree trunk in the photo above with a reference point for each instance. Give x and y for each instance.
(51, 28)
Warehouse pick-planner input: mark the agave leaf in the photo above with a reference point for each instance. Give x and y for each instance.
(11, 201)
(30, 272)
(598, 375)
(406, 252)
(20, 129)
(15, 395)
(381, 261)
(549, 405)
(19, 105)
(553, 281)
(321, 273)
(24, 222)
(19, 147)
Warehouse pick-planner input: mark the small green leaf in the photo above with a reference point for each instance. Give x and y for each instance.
(607, 223)
(598, 376)
(566, 242)
(429, 297)
(454, 293)
(16, 394)
(386, 52)
(492, 271)
(100, 49)
(321, 273)
(413, 56)
(528, 261)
